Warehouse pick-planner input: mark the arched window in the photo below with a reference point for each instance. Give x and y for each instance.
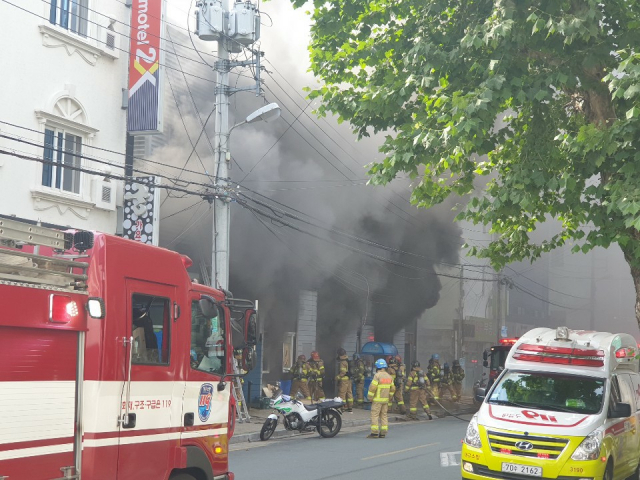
(63, 142)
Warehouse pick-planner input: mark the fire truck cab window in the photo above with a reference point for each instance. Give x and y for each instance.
(207, 341)
(150, 330)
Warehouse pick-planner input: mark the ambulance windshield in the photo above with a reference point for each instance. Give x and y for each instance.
(545, 391)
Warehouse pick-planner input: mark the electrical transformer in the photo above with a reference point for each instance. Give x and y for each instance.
(244, 23)
(209, 20)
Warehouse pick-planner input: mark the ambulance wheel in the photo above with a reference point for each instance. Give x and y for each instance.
(268, 428)
(182, 476)
(608, 473)
(636, 474)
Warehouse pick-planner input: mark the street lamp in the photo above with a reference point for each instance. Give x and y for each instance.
(221, 210)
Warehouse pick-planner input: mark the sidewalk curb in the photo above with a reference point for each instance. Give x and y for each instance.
(255, 437)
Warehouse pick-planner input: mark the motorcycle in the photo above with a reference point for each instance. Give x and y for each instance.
(296, 416)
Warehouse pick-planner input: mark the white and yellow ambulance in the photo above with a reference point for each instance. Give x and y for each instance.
(566, 406)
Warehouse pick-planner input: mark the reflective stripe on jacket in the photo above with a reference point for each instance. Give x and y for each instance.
(343, 368)
(381, 388)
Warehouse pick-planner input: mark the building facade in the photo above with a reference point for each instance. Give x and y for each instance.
(63, 118)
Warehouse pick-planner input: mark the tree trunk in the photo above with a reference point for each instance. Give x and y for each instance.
(634, 265)
(635, 274)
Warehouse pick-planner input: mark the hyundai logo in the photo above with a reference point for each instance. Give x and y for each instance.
(524, 445)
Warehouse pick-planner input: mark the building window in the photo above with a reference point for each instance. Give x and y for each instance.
(62, 150)
(71, 15)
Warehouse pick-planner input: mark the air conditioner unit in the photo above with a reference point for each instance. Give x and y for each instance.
(104, 194)
(110, 41)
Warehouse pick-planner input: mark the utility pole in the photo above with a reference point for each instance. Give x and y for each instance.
(593, 291)
(221, 210)
(234, 30)
(499, 307)
(460, 343)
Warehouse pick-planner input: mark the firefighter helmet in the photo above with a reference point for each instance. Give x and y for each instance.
(415, 364)
(302, 358)
(381, 363)
(456, 363)
(315, 356)
(356, 356)
(341, 352)
(398, 359)
(391, 360)
(435, 356)
(446, 366)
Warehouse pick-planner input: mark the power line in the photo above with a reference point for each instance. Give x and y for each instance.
(183, 210)
(140, 159)
(93, 159)
(97, 173)
(544, 286)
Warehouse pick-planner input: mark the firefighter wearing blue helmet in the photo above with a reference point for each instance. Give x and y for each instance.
(380, 391)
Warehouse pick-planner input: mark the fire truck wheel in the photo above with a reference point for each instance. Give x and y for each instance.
(182, 476)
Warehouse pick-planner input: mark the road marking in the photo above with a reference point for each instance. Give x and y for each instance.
(401, 451)
(449, 459)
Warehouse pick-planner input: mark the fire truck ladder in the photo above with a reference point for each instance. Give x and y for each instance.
(30, 267)
(242, 411)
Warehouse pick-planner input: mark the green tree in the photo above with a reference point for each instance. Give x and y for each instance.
(542, 97)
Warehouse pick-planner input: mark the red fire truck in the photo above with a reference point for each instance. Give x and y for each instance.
(495, 357)
(113, 363)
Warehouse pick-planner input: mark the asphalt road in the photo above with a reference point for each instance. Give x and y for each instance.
(410, 451)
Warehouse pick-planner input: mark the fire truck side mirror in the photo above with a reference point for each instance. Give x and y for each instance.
(208, 307)
(485, 356)
(250, 328)
(485, 364)
(248, 358)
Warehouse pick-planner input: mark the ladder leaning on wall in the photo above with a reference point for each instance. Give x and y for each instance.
(242, 411)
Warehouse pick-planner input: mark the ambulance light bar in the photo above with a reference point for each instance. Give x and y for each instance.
(508, 341)
(560, 355)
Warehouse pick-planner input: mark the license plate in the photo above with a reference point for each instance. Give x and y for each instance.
(522, 469)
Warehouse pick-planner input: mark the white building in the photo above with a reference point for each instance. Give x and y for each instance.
(64, 67)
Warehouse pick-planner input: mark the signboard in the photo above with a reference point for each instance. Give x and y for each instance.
(503, 331)
(145, 71)
(141, 209)
(484, 329)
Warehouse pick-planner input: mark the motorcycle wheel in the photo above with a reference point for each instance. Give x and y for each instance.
(330, 423)
(268, 428)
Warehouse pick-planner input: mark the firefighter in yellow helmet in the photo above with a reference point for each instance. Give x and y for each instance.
(458, 376)
(343, 379)
(300, 371)
(316, 368)
(380, 391)
(358, 379)
(417, 385)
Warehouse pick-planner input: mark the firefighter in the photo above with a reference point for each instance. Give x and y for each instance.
(446, 383)
(343, 379)
(458, 376)
(401, 374)
(316, 368)
(380, 391)
(358, 379)
(434, 373)
(417, 385)
(394, 371)
(300, 371)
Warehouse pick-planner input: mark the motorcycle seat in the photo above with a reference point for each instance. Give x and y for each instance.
(310, 408)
